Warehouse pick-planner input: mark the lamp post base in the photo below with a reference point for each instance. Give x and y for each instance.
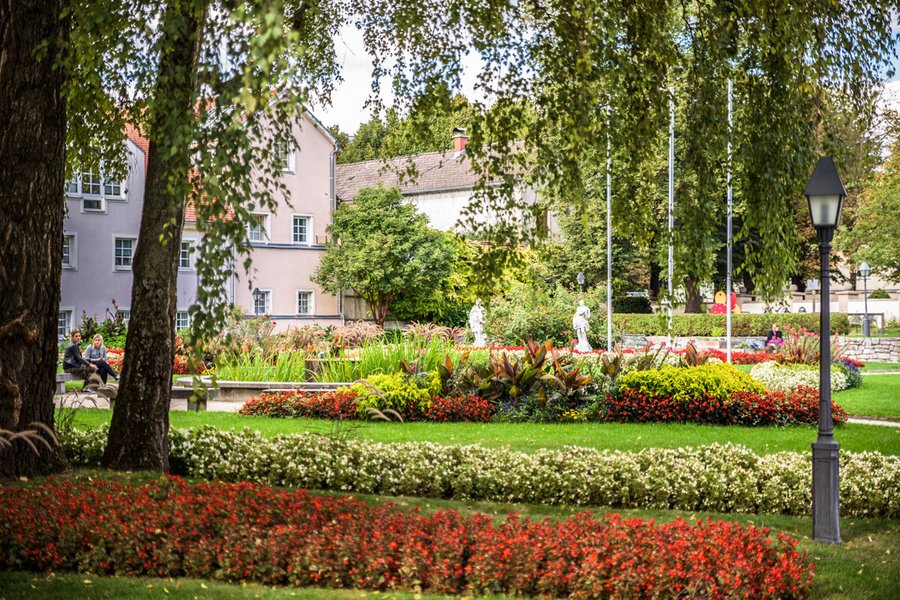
(826, 493)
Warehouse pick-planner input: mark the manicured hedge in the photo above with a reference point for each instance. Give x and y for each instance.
(706, 325)
(724, 478)
(168, 528)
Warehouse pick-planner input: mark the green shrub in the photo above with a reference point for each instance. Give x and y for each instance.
(879, 294)
(717, 380)
(709, 325)
(530, 313)
(632, 305)
(397, 391)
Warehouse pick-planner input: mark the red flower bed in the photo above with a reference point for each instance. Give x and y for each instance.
(797, 407)
(469, 408)
(743, 358)
(310, 405)
(342, 405)
(116, 357)
(238, 532)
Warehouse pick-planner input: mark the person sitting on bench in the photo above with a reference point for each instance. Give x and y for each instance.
(775, 338)
(75, 364)
(96, 355)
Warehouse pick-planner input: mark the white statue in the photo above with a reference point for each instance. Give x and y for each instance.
(581, 326)
(477, 317)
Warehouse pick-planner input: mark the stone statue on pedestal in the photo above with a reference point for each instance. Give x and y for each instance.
(581, 326)
(477, 317)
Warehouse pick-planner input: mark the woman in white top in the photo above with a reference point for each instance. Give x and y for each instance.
(96, 355)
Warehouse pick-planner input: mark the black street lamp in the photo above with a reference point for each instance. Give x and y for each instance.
(825, 194)
(864, 270)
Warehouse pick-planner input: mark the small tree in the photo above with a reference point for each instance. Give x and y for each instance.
(384, 250)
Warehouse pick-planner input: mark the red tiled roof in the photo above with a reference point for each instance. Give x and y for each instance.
(140, 141)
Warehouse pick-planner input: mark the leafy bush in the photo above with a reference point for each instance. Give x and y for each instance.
(632, 305)
(879, 294)
(690, 325)
(723, 478)
(787, 377)
(530, 313)
(236, 532)
(253, 366)
(796, 407)
(398, 392)
(355, 334)
(717, 381)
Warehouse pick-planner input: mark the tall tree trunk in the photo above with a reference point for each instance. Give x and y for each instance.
(138, 436)
(692, 295)
(32, 176)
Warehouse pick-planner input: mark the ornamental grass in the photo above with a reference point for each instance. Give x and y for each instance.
(241, 532)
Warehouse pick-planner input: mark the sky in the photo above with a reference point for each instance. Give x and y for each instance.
(348, 99)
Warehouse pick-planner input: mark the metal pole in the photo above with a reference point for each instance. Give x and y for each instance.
(609, 308)
(825, 492)
(728, 268)
(671, 205)
(867, 328)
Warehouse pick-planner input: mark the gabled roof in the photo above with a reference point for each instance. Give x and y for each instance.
(437, 171)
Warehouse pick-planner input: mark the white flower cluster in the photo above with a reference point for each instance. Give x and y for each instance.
(787, 377)
(721, 478)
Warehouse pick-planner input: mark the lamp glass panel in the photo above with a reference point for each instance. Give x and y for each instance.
(825, 210)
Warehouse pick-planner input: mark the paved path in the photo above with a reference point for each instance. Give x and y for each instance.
(874, 421)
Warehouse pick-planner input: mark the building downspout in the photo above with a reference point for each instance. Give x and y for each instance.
(332, 162)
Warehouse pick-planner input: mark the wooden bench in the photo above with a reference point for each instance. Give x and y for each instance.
(61, 379)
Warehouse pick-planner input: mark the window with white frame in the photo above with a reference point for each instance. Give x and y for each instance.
(124, 253)
(302, 229)
(185, 259)
(90, 183)
(125, 314)
(262, 302)
(73, 187)
(286, 156)
(304, 302)
(258, 228)
(182, 320)
(112, 188)
(64, 324)
(69, 252)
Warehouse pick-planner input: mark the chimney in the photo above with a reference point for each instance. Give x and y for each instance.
(460, 139)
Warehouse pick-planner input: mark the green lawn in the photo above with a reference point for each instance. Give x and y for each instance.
(880, 366)
(528, 437)
(879, 396)
(864, 567)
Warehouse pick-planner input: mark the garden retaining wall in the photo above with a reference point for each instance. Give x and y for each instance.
(875, 349)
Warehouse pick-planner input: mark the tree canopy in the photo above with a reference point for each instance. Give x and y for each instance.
(384, 250)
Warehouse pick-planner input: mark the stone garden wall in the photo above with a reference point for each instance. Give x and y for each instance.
(875, 349)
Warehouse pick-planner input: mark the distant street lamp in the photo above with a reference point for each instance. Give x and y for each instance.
(825, 194)
(811, 286)
(580, 279)
(864, 270)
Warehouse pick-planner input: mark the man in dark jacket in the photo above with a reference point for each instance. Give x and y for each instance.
(74, 363)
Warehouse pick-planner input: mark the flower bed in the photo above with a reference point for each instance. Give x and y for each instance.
(787, 377)
(795, 407)
(343, 404)
(724, 478)
(168, 528)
